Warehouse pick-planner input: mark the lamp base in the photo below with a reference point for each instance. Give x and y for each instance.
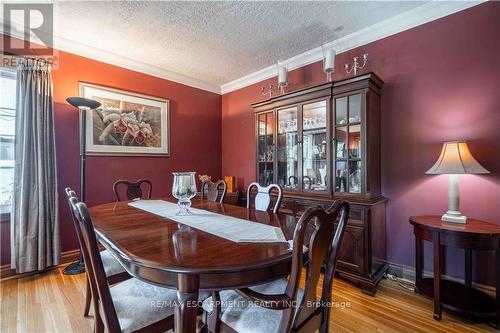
(77, 267)
(454, 218)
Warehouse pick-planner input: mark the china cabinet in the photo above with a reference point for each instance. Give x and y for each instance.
(323, 143)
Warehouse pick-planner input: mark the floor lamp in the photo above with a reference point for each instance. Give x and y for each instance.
(83, 105)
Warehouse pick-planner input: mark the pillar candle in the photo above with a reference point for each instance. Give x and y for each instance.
(329, 64)
(282, 76)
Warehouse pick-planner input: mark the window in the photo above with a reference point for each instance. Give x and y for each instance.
(7, 117)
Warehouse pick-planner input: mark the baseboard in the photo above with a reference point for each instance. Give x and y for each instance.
(407, 273)
(67, 257)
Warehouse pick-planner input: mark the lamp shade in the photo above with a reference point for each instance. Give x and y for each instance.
(456, 158)
(81, 102)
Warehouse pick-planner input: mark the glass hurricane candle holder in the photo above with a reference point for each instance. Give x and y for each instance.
(184, 189)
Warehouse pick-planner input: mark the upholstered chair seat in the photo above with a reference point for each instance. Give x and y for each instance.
(111, 265)
(129, 306)
(244, 316)
(138, 304)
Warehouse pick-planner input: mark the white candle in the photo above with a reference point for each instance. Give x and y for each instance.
(282, 76)
(329, 60)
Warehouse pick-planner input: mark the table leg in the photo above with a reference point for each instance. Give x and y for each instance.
(468, 268)
(437, 275)
(497, 273)
(418, 259)
(186, 308)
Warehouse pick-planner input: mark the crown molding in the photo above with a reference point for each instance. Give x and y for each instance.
(419, 15)
(77, 48)
(138, 66)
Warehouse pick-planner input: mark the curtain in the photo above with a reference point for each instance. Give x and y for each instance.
(35, 242)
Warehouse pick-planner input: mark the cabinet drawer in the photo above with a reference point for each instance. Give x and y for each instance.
(301, 207)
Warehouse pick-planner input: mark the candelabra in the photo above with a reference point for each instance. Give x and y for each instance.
(355, 65)
(282, 77)
(282, 82)
(270, 90)
(328, 73)
(282, 86)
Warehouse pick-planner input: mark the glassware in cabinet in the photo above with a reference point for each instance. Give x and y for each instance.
(348, 143)
(265, 148)
(314, 146)
(287, 145)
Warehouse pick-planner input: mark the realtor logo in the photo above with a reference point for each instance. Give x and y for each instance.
(32, 22)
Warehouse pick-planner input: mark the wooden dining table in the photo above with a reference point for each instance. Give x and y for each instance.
(161, 251)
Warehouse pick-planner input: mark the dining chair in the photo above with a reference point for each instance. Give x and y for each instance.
(262, 199)
(281, 306)
(133, 190)
(114, 271)
(214, 190)
(129, 306)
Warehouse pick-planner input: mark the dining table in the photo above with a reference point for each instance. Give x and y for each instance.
(159, 250)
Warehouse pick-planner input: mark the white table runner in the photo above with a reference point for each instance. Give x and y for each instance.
(228, 227)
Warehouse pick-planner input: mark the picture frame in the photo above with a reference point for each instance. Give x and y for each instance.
(126, 123)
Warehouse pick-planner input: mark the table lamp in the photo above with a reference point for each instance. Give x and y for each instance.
(455, 159)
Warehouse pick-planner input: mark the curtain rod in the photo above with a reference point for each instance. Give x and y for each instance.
(41, 58)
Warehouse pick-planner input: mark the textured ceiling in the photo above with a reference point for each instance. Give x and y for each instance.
(215, 42)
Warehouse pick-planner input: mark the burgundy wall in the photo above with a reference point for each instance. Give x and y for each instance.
(441, 83)
(193, 147)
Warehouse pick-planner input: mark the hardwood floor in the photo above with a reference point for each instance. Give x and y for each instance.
(53, 302)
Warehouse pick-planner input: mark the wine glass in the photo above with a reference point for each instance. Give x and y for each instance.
(184, 189)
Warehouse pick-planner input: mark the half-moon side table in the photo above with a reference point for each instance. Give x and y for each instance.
(461, 299)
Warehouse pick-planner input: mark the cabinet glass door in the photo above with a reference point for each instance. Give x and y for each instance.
(314, 147)
(287, 148)
(348, 152)
(265, 148)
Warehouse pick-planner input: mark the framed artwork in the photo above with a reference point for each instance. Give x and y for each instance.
(126, 123)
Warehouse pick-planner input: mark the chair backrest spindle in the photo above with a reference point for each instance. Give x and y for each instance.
(214, 190)
(262, 198)
(328, 228)
(133, 189)
(97, 275)
(73, 199)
